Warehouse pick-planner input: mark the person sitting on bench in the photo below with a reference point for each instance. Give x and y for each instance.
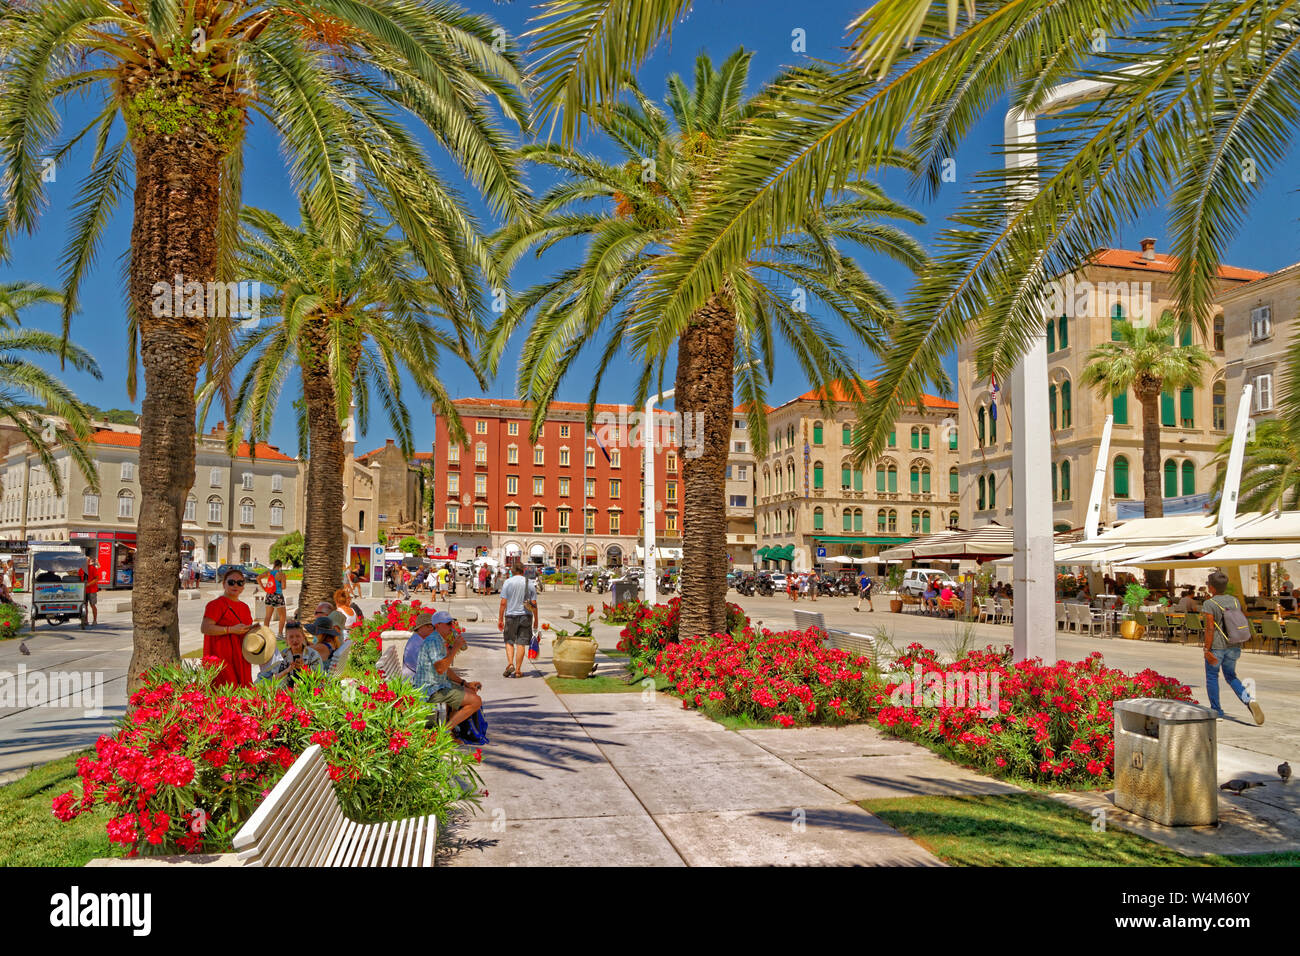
(433, 672)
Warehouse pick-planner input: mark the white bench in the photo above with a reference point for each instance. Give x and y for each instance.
(301, 823)
(863, 645)
(806, 619)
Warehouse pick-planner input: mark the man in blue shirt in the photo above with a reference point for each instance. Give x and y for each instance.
(864, 591)
(433, 673)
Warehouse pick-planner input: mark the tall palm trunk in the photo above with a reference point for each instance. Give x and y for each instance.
(324, 547)
(177, 198)
(705, 386)
(1153, 501)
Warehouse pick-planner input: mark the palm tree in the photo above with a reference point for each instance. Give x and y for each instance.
(334, 79)
(629, 213)
(1201, 110)
(349, 322)
(1270, 468)
(41, 407)
(1143, 358)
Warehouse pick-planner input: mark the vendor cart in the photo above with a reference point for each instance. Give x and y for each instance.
(58, 585)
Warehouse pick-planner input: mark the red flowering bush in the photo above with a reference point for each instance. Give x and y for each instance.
(620, 613)
(653, 628)
(1050, 724)
(786, 678)
(190, 762)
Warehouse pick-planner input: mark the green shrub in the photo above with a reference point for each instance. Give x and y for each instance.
(12, 619)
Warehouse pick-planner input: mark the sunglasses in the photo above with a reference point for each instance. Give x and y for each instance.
(237, 582)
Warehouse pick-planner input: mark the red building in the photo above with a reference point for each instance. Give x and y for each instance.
(504, 494)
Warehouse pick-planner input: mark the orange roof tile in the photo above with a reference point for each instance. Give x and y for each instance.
(839, 393)
(1128, 259)
(129, 440)
(744, 409)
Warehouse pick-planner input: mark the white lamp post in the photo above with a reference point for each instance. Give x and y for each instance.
(373, 587)
(648, 435)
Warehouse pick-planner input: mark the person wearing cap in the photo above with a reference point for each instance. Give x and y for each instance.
(287, 664)
(433, 670)
(226, 620)
(328, 638)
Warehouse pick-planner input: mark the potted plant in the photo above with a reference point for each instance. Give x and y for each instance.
(574, 655)
(893, 581)
(1134, 597)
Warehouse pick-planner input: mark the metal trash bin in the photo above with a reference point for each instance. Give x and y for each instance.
(624, 591)
(1167, 761)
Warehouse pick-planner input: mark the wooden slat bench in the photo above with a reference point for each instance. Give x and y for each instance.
(861, 644)
(300, 823)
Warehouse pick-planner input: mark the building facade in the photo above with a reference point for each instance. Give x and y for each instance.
(503, 494)
(742, 533)
(1259, 320)
(236, 510)
(810, 496)
(385, 491)
(1115, 283)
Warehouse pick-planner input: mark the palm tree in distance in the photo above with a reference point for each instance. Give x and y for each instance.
(765, 310)
(348, 323)
(336, 81)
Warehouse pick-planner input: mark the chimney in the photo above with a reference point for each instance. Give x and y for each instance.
(389, 443)
(1149, 250)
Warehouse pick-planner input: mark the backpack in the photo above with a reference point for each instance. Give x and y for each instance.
(473, 729)
(1236, 627)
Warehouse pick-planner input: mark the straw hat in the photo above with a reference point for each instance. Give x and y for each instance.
(259, 645)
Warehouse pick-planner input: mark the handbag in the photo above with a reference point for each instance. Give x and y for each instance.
(534, 648)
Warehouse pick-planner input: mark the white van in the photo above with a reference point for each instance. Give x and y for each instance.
(916, 580)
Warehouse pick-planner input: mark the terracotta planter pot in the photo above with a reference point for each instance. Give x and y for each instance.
(1131, 630)
(896, 605)
(574, 656)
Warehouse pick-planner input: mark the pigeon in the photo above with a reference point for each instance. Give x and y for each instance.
(1284, 771)
(22, 649)
(1238, 786)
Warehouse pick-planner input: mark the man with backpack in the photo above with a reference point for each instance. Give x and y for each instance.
(1226, 630)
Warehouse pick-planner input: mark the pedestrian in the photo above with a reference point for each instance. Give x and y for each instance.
(92, 588)
(404, 583)
(516, 618)
(483, 578)
(1226, 629)
(792, 587)
(864, 591)
(440, 578)
(812, 582)
(226, 620)
(272, 583)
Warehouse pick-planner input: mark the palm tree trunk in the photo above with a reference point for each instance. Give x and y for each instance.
(324, 545)
(1153, 501)
(705, 387)
(177, 197)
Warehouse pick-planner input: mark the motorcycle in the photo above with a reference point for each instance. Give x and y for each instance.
(603, 582)
(764, 586)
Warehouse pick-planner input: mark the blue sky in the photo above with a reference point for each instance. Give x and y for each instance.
(1267, 240)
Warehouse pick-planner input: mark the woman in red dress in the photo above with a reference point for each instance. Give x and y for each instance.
(225, 621)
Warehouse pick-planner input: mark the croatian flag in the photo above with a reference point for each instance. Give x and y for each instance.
(993, 405)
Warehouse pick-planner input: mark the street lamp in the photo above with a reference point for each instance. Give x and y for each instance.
(648, 463)
(372, 583)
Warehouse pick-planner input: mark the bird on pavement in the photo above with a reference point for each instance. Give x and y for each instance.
(1284, 771)
(22, 649)
(1238, 786)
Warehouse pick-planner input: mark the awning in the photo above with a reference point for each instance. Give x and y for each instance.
(991, 541)
(908, 550)
(1230, 555)
(859, 539)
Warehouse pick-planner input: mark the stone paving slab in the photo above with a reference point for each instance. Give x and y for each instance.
(854, 740)
(604, 714)
(875, 778)
(840, 835)
(675, 750)
(632, 840)
(760, 783)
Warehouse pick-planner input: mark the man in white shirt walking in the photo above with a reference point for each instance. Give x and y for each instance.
(516, 618)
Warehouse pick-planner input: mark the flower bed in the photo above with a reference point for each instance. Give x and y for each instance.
(620, 613)
(367, 635)
(653, 628)
(189, 764)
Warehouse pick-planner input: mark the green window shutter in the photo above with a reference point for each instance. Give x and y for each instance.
(925, 481)
(953, 480)
(893, 480)
(1171, 479)
(818, 479)
(979, 426)
(893, 439)
(982, 498)
(846, 435)
(880, 478)
(1051, 336)
(1189, 478)
(952, 439)
(993, 492)
(857, 520)
(1121, 477)
(817, 433)
(1051, 406)
(1119, 408)
(925, 439)
(1186, 408)
(925, 522)
(1065, 481)
(1054, 490)
(1167, 409)
(848, 521)
(1067, 409)
(1063, 336)
(857, 479)
(916, 439)
(1185, 336)
(993, 429)
(817, 520)
(845, 479)
(916, 481)
(880, 521)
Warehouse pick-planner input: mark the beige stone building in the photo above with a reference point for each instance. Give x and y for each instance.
(742, 536)
(1259, 323)
(385, 490)
(809, 496)
(1115, 283)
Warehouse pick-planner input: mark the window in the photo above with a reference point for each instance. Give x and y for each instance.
(881, 522)
(983, 494)
(480, 485)
(916, 522)
(779, 478)
(1220, 407)
(739, 501)
(214, 509)
(89, 505)
(539, 486)
(564, 487)
(670, 462)
(277, 514)
(880, 478)
(1189, 478)
(1171, 478)
(818, 476)
(214, 478)
(857, 519)
(453, 484)
(1067, 411)
(993, 492)
(539, 456)
(564, 520)
(564, 457)
(480, 518)
(1051, 406)
(1054, 488)
(893, 438)
(954, 481)
(590, 524)
(916, 480)
(615, 459)
(670, 491)
(1261, 323)
(1065, 481)
(979, 427)
(453, 516)
(952, 438)
(893, 521)
(742, 472)
(480, 454)
(846, 435)
(480, 428)
(739, 446)
(819, 519)
(1262, 399)
(1186, 408)
(277, 483)
(916, 438)
(925, 522)
(1062, 333)
(893, 479)
(246, 511)
(1218, 332)
(993, 425)
(128, 471)
(591, 458)
(512, 484)
(564, 431)
(615, 522)
(512, 428)
(190, 504)
(590, 488)
(615, 487)
(453, 454)
(925, 439)
(670, 521)
(954, 519)
(512, 519)
(512, 454)
(246, 479)
(1119, 408)
(537, 518)
(1167, 408)
(1121, 477)
(818, 433)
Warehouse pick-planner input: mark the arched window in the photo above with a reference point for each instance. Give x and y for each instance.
(925, 479)
(818, 432)
(979, 426)
(1121, 477)
(613, 556)
(916, 438)
(126, 504)
(882, 523)
(1067, 411)
(818, 476)
(1185, 335)
(925, 522)
(993, 492)
(846, 476)
(954, 519)
(954, 481)
(277, 513)
(880, 479)
(857, 519)
(916, 479)
(818, 518)
(1220, 407)
(857, 479)
(925, 439)
(1065, 481)
(893, 521)
(1189, 478)
(790, 474)
(1063, 333)
(245, 554)
(983, 495)
(1051, 336)
(1167, 409)
(779, 478)
(1186, 408)
(214, 508)
(916, 522)
(191, 503)
(767, 482)
(848, 519)
(893, 478)
(1051, 406)
(952, 437)
(246, 511)
(361, 521)
(993, 427)
(1171, 478)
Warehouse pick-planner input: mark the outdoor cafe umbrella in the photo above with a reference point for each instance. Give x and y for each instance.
(910, 550)
(990, 541)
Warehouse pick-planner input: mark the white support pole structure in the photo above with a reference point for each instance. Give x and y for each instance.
(1232, 479)
(649, 435)
(1092, 520)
